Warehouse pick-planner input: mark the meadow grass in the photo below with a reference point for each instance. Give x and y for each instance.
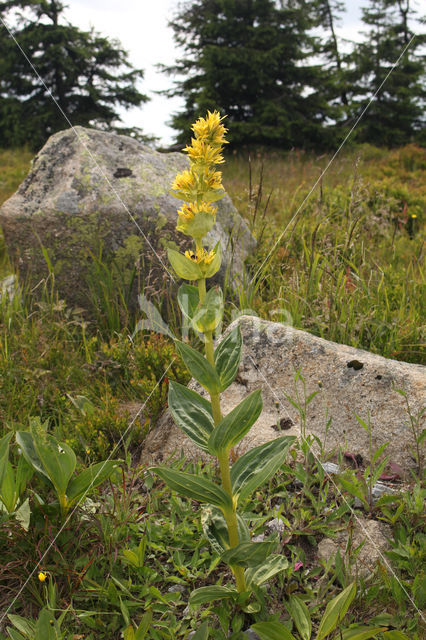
(348, 268)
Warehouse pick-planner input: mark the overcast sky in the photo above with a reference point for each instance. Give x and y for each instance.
(141, 27)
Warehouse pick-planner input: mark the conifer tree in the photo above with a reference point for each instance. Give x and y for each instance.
(251, 59)
(88, 75)
(396, 115)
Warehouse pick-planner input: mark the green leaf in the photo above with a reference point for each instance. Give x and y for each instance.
(194, 487)
(272, 565)
(352, 486)
(199, 367)
(202, 633)
(227, 357)
(364, 633)
(25, 440)
(14, 635)
(47, 627)
(4, 455)
(216, 530)
(188, 299)
(58, 460)
(23, 514)
(184, 267)
(300, 614)
(248, 554)
(25, 626)
(192, 413)
(210, 594)
(208, 316)
(272, 631)
(144, 625)
(236, 424)
(90, 478)
(335, 611)
(8, 487)
(394, 634)
(258, 465)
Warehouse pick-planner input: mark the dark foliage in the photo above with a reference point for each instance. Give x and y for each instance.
(87, 75)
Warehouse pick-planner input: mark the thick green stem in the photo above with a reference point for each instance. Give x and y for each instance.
(225, 474)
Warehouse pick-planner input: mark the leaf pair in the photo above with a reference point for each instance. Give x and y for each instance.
(227, 360)
(204, 317)
(250, 471)
(56, 462)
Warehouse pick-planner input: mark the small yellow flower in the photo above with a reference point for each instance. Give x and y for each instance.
(184, 181)
(186, 212)
(204, 153)
(201, 256)
(210, 129)
(414, 215)
(213, 179)
(42, 576)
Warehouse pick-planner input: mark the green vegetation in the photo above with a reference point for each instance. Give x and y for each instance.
(123, 562)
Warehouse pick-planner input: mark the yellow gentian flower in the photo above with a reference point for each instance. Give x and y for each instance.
(200, 256)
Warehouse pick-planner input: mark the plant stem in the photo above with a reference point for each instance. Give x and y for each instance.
(223, 458)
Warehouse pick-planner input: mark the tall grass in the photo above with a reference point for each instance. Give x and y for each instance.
(345, 260)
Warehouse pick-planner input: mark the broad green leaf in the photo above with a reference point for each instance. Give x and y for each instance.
(272, 565)
(90, 478)
(272, 631)
(227, 357)
(23, 474)
(202, 633)
(394, 634)
(216, 530)
(258, 465)
(335, 611)
(23, 625)
(4, 455)
(209, 315)
(192, 413)
(210, 594)
(300, 614)
(364, 633)
(14, 635)
(144, 625)
(195, 487)
(8, 487)
(58, 460)
(47, 627)
(23, 514)
(248, 554)
(199, 367)
(26, 442)
(188, 299)
(233, 427)
(184, 267)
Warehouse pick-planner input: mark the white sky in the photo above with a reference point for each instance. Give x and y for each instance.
(141, 27)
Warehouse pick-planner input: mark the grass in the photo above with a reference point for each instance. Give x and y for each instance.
(348, 267)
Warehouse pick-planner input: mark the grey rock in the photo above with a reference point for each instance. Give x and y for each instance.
(330, 468)
(275, 525)
(176, 588)
(98, 191)
(272, 354)
(379, 489)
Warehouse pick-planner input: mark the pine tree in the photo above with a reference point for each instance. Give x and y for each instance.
(251, 60)
(88, 75)
(396, 115)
